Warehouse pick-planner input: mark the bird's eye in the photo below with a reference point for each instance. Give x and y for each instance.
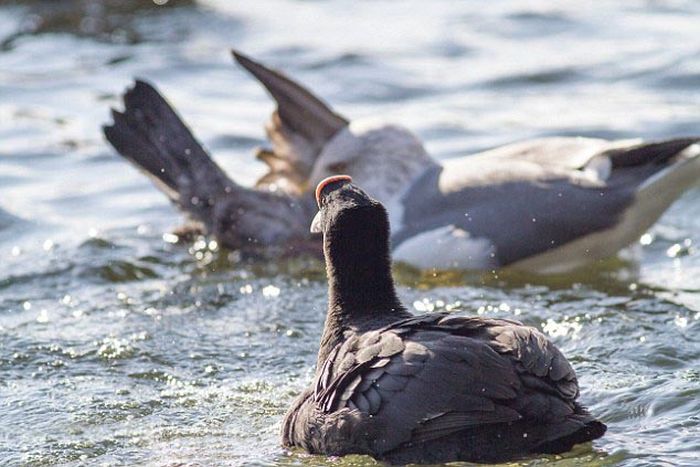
(338, 167)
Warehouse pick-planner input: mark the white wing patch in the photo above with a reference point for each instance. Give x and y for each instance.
(598, 169)
(447, 247)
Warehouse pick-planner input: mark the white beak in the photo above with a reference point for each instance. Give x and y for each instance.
(316, 223)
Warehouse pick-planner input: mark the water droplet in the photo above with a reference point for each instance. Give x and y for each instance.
(678, 250)
(270, 291)
(43, 316)
(681, 321)
(170, 238)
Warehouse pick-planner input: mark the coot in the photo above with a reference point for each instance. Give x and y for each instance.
(422, 389)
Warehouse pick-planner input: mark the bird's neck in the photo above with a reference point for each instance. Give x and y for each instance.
(361, 293)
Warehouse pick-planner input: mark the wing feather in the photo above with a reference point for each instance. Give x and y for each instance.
(298, 129)
(428, 377)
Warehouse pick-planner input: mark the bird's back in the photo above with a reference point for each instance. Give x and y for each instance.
(439, 388)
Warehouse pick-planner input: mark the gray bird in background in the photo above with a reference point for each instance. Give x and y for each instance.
(546, 205)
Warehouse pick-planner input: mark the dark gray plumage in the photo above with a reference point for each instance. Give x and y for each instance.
(427, 389)
(150, 134)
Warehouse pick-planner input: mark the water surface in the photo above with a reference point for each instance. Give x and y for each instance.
(119, 348)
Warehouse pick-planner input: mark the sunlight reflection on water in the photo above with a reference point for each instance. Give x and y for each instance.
(121, 346)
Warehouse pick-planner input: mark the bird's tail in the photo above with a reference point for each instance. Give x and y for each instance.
(654, 154)
(579, 427)
(660, 172)
(677, 166)
(151, 135)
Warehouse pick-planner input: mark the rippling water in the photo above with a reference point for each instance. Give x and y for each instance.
(117, 347)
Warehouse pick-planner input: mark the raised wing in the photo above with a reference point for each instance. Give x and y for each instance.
(151, 135)
(298, 129)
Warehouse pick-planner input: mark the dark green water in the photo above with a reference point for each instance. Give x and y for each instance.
(118, 348)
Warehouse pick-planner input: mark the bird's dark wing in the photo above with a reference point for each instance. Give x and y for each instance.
(428, 377)
(151, 135)
(298, 129)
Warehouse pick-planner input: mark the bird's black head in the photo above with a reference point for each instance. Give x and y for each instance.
(343, 206)
(355, 231)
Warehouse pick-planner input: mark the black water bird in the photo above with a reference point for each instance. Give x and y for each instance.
(422, 389)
